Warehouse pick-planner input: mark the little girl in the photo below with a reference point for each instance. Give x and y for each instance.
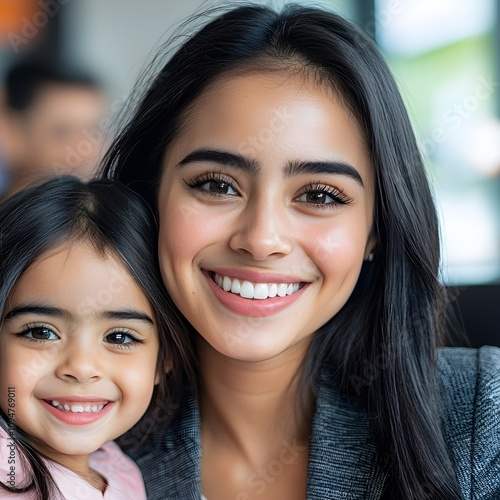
(83, 341)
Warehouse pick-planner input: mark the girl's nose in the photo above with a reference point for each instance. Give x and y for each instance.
(261, 231)
(79, 363)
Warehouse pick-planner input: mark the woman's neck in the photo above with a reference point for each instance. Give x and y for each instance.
(252, 407)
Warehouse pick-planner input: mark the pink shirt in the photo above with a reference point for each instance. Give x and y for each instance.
(122, 475)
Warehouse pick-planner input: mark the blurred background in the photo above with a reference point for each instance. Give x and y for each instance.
(445, 55)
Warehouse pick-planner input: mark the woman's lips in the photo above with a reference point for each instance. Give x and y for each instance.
(261, 295)
(249, 290)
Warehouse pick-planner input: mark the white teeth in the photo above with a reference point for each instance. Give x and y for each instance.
(260, 291)
(77, 408)
(236, 286)
(246, 290)
(226, 283)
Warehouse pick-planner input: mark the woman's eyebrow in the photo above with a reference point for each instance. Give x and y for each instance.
(221, 157)
(252, 166)
(323, 167)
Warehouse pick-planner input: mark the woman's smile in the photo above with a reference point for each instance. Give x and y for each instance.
(254, 294)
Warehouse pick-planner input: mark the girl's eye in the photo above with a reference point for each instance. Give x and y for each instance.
(121, 338)
(38, 334)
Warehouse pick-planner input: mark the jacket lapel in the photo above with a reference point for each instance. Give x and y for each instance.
(343, 461)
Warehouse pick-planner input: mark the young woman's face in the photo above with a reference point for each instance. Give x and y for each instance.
(266, 206)
(78, 351)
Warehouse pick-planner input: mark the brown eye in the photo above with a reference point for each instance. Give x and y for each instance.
(218, 187)
(38, 333)
(121, 338)
(319, 198)
(117, 338)
(316, 198)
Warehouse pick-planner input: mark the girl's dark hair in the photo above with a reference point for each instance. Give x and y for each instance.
(114, 220)
(382, 345)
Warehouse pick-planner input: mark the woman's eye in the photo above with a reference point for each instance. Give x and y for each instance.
(323, 196)
(218, 187)
(316, 198)
(120, 338)
(39, 333)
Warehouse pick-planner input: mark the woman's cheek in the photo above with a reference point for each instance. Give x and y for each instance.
(336, 249)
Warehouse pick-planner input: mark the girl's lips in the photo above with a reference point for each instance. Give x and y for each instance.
(254, 307)
(80, 416)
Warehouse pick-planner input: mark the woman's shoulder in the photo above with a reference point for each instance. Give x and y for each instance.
(469, 384)
(469, 388)
(462, 371)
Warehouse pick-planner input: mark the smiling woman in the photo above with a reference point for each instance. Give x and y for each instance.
(291, 220)
(299, 240)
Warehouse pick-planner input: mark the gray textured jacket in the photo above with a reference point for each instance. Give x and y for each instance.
(343, 461)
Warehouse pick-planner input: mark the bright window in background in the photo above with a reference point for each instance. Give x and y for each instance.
(443, 55)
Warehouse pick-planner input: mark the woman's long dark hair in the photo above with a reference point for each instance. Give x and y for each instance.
(116, 221)
(382, 345)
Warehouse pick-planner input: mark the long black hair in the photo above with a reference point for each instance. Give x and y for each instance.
(114, 220)
(383, 344)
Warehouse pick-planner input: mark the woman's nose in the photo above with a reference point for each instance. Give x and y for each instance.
(262, 231)
(80, 363)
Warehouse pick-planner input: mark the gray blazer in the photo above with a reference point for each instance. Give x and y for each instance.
(343, 462)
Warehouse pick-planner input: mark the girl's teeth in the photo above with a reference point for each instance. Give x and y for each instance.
(77, 408)
(249, 290)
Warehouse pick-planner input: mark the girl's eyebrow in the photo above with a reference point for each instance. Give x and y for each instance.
(252, 166)
(40, 310)
(36, 309)
(128, 314)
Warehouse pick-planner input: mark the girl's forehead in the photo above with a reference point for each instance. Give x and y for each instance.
(80, 279)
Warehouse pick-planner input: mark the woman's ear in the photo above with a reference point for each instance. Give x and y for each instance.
(370, 247)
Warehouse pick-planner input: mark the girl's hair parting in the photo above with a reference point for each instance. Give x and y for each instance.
(114, 220)
(382, 345)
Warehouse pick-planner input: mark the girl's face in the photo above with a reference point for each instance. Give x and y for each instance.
(266, 206)
(78, 352)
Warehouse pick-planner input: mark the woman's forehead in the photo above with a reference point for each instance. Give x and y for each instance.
(270, 116)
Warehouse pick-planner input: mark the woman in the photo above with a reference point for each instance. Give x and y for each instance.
(298, 238)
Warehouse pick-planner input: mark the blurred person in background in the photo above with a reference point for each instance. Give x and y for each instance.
(49, 124)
